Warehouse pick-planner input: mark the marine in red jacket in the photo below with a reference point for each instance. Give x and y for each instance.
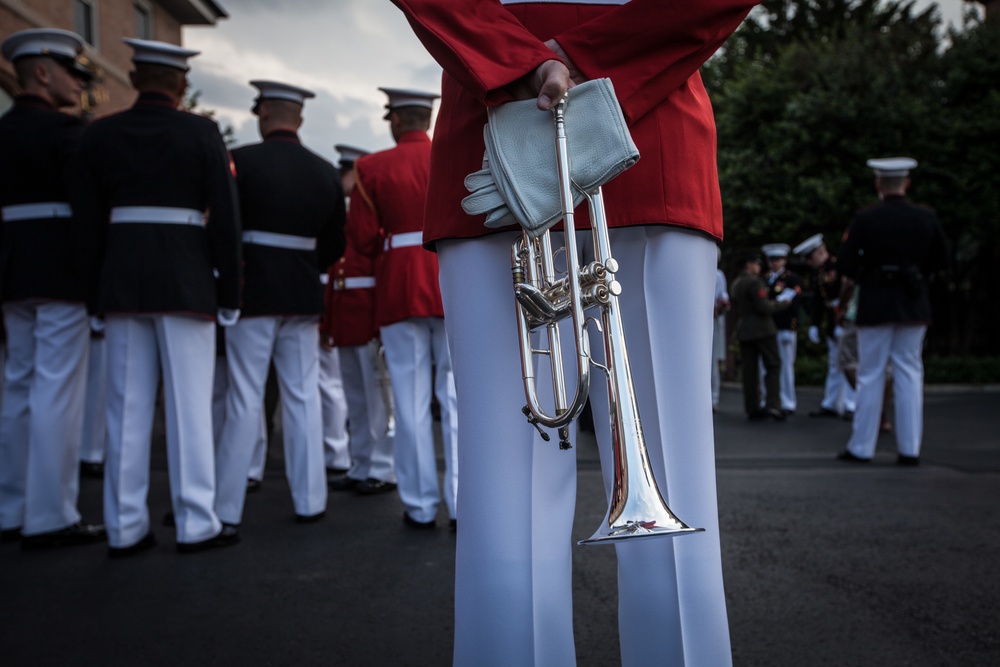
(386, 221)
(517, 494)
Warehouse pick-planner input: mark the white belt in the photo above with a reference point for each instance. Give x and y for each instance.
(157, 214)
(257, 237)
(404, 240)
(39, 211)
(356, 282)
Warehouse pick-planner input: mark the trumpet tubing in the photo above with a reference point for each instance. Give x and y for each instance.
(544, 299)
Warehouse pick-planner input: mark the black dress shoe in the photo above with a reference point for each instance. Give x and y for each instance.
(787, 412)
(847, 456)
(78, 533)
(309, 518)
(335, 472)
(227, 537)
(253, 485)
(848, 415)
(824, 412)
(147, 542)
(10, 534)
(776, 414)
(419, 525)
(453, 524)
(92, 469)
(342, 483)
(757, 415)
(904, 460)
(372, 486)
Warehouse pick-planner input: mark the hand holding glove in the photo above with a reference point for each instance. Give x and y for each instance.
(814, 335)
(519, 181)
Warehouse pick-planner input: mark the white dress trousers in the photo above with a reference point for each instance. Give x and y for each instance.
(334, 404)
(95, 427)
(220, 388)
(41, 417)
(838, 395)
(902, 346)
(416, 352)
(294, 344)
(513, 588)
(371, 442)
(140, 349)
(787, 344)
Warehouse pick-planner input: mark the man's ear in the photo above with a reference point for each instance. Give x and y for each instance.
(41, 73)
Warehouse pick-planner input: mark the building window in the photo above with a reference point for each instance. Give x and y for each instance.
(85, 20)
(143, 20)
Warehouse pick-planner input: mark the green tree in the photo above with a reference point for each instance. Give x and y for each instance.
(807, 90)
(191, 103)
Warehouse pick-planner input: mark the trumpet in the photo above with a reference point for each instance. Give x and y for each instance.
(543, 300)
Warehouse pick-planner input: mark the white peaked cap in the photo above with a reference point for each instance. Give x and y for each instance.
(810, 244)
(890, 167)
(399, 97)
(274, 90)
(348, 154)
(42, 42)
(775, 250)
(159, 53)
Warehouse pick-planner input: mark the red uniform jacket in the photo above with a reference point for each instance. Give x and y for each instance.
(349, 312)
(389, 195)
(650, 49)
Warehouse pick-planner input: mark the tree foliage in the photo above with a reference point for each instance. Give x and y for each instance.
(807, 90)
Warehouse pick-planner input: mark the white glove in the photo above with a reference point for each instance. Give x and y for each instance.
(814, 335)
(786, 295)
(838, 332)
(227, 317)
(97, 324)
(519, 181)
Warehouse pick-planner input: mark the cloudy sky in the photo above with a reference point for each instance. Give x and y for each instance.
(343, 50)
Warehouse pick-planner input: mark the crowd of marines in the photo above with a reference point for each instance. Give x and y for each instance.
(144, 261)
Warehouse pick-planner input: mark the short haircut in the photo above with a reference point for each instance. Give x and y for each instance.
(414, 117)
(157, 77)
(892, 183)
(284, 110)
(25, 67)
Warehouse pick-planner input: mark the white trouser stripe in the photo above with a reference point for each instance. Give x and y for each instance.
(39, 211)
(275, 240)
(157, 214)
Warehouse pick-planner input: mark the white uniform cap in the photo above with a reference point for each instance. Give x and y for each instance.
(892, 167)
(807, 246)
(349, 154)
(273, 90)
(159, 53)
(399, 98)
(42, 42)
(775, 250)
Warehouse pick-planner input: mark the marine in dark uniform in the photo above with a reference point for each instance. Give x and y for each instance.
(890, 251)
(293, 230)
(42, 288)
(780, 279)
(156, 191)
(824, 309)
(757, 335)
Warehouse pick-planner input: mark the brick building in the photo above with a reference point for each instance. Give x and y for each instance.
(102, 23)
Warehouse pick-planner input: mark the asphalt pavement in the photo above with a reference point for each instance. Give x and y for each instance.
(826, 563)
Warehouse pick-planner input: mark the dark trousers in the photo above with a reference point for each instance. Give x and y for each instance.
(766, 350)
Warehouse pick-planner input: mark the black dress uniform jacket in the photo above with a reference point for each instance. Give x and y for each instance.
(785, 320)
(284, 188)
(824, 301)
(890, 251)
(155, 155)
(39, 258)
